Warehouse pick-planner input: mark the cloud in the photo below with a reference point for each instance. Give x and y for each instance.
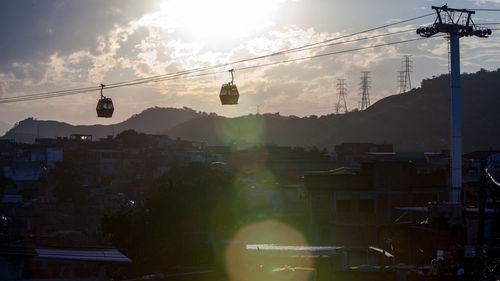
(32, 31)
(123, 45)
(132, 51)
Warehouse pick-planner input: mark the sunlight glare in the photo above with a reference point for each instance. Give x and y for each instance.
(244, 266)
(218, 19)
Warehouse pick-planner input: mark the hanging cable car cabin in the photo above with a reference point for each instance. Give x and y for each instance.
(104, 106)
(229, 93)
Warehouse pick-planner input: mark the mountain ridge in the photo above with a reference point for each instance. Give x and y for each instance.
(145, 122)
(414, 121)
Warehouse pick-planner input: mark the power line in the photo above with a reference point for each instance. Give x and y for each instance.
(186, 73)
(303, 48)
(487, 23)
(155, 78)
(353, 40)
(487, 10)
(293, 50)
(173, 76)
(335, 53)
(353, 34)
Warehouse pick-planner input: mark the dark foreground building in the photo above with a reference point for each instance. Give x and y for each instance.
(347, 206)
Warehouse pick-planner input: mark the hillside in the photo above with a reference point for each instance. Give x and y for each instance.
(151, 121)
(414, 121)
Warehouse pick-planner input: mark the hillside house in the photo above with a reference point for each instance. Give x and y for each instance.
(348, 205)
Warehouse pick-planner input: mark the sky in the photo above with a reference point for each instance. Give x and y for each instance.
(60, 44)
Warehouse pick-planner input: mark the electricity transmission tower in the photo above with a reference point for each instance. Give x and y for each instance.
(404, 81)
(365, 87)
(456, 23)
(341, 93)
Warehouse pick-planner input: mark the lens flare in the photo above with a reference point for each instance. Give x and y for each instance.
(243, 263)
(244, 131)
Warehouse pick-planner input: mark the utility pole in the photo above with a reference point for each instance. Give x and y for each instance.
(365, 87)
(341, 93)
(456, 23)
(404, 81)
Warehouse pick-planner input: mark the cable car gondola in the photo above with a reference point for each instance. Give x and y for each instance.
(104, 106)
(229, 93)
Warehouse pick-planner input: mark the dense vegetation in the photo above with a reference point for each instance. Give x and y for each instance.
(188, 199)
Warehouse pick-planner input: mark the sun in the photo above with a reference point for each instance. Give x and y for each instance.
(218, 20)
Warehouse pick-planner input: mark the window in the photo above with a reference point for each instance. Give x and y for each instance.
(367, 203)
(343, 202)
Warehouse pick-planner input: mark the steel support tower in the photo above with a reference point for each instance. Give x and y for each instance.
(365, 87)
(456, 23)
(341, 105)
(400, 81)
(404, 80)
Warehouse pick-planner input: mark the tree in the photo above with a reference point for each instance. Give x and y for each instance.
(68, 182)
(192, 198)
(132, 139)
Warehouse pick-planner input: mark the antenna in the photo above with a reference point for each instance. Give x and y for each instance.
(456, 23)
(365, 87)
(341, 93)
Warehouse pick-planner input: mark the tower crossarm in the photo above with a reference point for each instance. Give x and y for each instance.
(453, 21)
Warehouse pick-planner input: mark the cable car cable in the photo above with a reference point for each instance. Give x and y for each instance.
(161, 77)
(485, 10)
(154, 78)
(312, 44)
(179, 76)
(488, 23)
(337, 52)
(164, 77)
(186, 72)
(364, 31)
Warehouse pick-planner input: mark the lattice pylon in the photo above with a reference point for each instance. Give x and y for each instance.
(341, 93)
(365, 90)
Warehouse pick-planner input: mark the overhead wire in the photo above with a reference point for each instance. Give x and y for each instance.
(160, 77)
(359, 32)
(299, 49)
(184, 73)
(338, 52)
(488, 23)
(487, 10)
(355, 40)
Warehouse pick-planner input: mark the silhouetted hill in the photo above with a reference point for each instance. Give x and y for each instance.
(152, 121)
(413, 121)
